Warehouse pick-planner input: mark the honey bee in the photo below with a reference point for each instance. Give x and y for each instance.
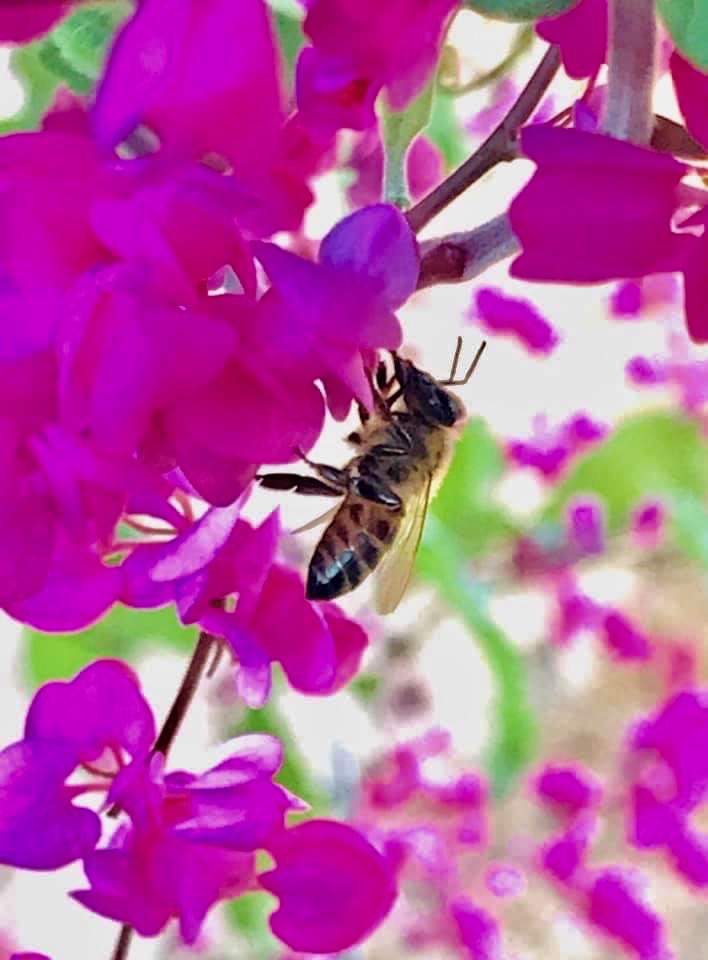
(403, 451)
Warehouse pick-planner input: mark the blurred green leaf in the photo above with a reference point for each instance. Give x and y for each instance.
(122, 633)
(520, 9)
(687, 22)
(445, 130)
(291, 37)
(83, 38)
(465, 501)
(399, 129)
(248, 914)
(38, 83)
(650, 454)
(443, 564)
(689, 522)
(294, 774)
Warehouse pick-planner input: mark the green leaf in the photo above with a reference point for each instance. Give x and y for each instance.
(650, 454)
(248, 914)
(687, 22)
(520, 9)
(123, 633)
(465, 503)
(445, 130)
(291, 37)
(689, 522)
(443, 564)
(399, 129)
(38, 85)
(82, 39)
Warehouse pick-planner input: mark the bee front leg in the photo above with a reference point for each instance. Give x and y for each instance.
(333, 476)
(295, 483)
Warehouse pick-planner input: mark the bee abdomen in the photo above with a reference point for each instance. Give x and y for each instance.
(344, 558)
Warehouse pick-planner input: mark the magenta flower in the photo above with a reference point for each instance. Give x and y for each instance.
(601, 180)
(334, 888)
(648, 523)
(666, 826)
(424, 168)
(495, 312)
(634, 297)
(581, 34)
(691, 86)
(91, 722)
(550, 449)
(575, 611)
(622, 638)
(615, 907)
(21, 20)
(182, 76)
(358, 50)
(695, 285)
(221, 556)
(368, 267)
(585, 521)
(478, 931)
(567, 788)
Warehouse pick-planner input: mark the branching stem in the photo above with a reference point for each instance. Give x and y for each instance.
(500, 146)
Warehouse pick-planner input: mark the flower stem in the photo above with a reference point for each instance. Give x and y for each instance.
(458, 257)
(630, 76)
(500, 146)
(165, 739)
(185, 694)
(120, 951)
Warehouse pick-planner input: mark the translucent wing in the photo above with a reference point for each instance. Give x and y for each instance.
(318, 521)
(394, 574)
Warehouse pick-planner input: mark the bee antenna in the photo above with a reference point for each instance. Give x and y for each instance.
(451, 382)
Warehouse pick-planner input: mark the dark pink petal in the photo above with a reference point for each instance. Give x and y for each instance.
(254, 677)
(678, 733)
(499, 313)
(478, 930)
(78, 590)
(642, 371)
(586, 524)
(334, 888)
(376, 248)
(331, 97)
(205, 79)
(567, 788)
(294, 633)
(648, 522)
(198, 546)
(101, 707)
(350, 642)
(632, 187)
(663, 825)
(617, 910)
(563, 856)
(581, 34)
(691, 86)
(40, 828)
(23, 20)
(150, 876)
(623, 639)
(695, 285)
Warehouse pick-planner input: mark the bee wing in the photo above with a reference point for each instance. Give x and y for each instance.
(317, 521)
(394, 574)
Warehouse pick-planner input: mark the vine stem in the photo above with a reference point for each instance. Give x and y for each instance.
(630, 70)
(458, 257)
(500, 146)
(165, 738)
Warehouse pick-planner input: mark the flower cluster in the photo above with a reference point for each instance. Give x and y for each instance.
(185, 841)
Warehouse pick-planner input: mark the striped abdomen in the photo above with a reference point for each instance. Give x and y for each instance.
(350, 548)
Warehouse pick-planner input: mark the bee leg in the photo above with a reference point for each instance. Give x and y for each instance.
(293, 482)
(363, 413)
(332, 476)
(370, 489)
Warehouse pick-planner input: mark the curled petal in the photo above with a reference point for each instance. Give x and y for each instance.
(334, 888)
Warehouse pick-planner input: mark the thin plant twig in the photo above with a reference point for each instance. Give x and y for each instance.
(500, 146)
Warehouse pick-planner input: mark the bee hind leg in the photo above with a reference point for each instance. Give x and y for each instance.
(370, 489)
(295, 483)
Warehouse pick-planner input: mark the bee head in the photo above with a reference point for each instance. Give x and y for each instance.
(424, 396)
